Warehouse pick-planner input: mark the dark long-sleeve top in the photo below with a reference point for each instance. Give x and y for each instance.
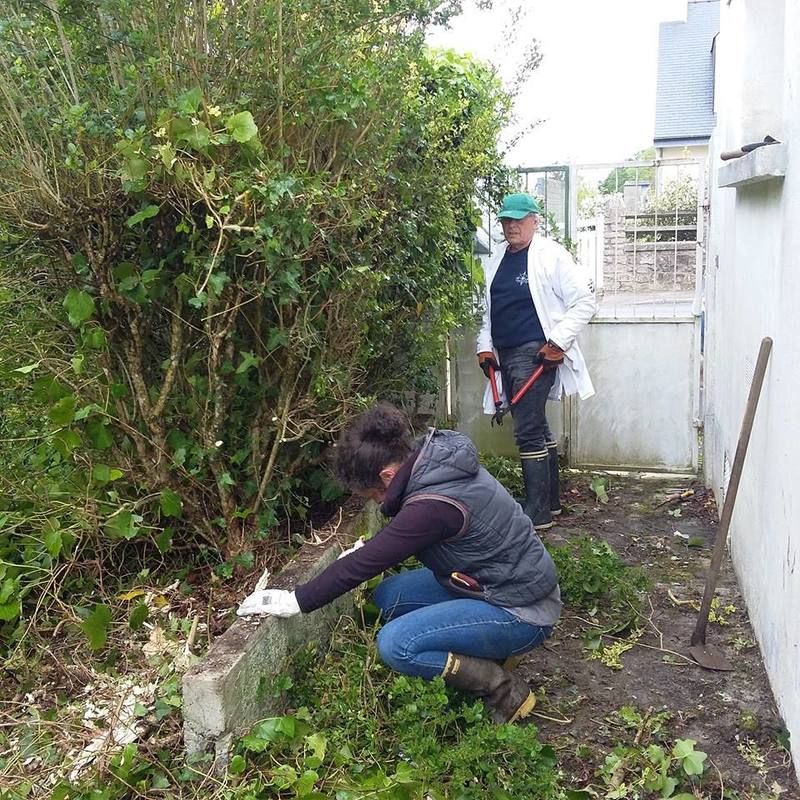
(413, 528)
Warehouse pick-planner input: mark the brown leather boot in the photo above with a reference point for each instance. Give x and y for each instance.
(506, 696)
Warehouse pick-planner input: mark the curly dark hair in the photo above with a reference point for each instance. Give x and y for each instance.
(372, 441)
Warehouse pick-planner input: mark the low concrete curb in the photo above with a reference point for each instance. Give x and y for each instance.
(229, 690)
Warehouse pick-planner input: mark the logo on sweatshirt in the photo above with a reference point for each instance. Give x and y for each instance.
(522, 279)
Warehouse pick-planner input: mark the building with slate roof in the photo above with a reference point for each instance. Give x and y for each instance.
(685, 89)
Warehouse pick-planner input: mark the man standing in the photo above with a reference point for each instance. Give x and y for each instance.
(536, 300)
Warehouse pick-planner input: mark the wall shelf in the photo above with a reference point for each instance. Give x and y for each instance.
(766, 163)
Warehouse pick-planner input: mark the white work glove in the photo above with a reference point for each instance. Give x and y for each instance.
(359, 543)
(271, 602)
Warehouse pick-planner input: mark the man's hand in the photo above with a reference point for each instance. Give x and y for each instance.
(486, 359)
(269, 602)
(551, 355)
(359, 543)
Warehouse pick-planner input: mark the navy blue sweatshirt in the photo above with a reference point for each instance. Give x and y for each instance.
(413, 528)
(513, 314)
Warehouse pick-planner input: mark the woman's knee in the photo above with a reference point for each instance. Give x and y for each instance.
(386, 595)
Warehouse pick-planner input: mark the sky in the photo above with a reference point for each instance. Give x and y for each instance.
(595, 87)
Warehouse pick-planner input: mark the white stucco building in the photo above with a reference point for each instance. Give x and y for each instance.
(753, 290)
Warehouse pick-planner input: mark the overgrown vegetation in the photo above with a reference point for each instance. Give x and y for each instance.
(354, 730)
(594, 578)
(224, 227)
(507, 471)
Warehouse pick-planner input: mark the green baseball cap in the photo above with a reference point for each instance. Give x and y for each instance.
(517, 206)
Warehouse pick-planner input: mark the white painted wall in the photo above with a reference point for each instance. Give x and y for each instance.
(753, 290)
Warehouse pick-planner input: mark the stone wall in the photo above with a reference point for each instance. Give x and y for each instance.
(647, 266)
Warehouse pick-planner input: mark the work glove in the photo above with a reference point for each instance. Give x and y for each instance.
(551, 355)
(269, 602)
(359, 543)
(486, 359)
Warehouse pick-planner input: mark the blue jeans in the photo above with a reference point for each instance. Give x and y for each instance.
(517, 364)
(425, 622)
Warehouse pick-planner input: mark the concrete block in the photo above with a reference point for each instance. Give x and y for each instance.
(762, 164)
(231, 688)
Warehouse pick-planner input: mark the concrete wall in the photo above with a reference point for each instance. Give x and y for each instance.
(642, 415)
(752, 290)
(230, 690)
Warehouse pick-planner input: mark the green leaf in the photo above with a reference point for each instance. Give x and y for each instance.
(95, 626)
(197, 135)
(693, 763)
(242, 126)
(103, 474)
(306, 782)
(669, 786)
(135, 169)
(248, 361)
(146, 212)
(171, 505)
(598, 486)
(683, 748)
(121, 526)
(164, 540)
(189, 101)
(217, 281)
(226, 480)
(63, 412)
(94, 338)
(691, 759)
(277, 338)
(318, 744)
(87, 410)
(65, 441)
(79, 307)
(138, 617)
(47, 390)
(77, 364)
(52, 537)
(237, 765)
(99, 433)
(10, 611)
(27, 369)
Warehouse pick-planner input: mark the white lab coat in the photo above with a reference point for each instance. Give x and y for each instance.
(563, 298)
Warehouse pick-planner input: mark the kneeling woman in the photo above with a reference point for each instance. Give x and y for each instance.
(488, 590)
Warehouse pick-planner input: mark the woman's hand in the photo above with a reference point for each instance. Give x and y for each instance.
(269, 602)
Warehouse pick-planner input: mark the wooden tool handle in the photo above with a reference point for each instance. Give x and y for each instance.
(699, 635)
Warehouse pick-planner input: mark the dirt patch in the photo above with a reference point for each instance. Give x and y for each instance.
(731, 715)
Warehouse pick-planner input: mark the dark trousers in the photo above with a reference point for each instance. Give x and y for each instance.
(531, 431)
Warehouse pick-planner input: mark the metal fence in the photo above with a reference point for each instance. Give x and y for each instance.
(639, 230)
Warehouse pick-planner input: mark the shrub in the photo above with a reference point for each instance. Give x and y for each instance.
(244, 221)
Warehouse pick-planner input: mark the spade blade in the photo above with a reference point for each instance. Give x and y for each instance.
(710, 657)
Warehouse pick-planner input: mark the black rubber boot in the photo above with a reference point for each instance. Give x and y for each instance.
(536, 475)
(552, 460)
(506, 696)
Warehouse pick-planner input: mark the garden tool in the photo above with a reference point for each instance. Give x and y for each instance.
(707, 655)
(498, 403)
(500, 412)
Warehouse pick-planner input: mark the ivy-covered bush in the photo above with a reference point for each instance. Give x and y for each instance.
(239, 222)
